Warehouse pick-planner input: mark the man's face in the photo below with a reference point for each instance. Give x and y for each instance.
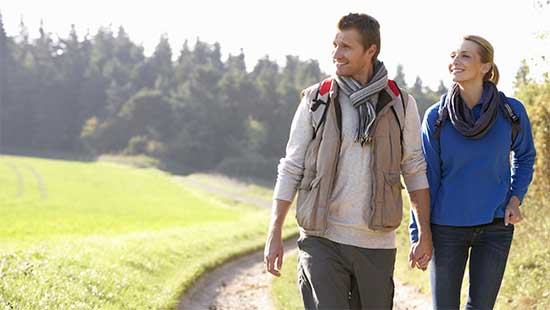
(349, 55)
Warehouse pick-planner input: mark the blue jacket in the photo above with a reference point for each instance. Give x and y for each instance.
(471, 180)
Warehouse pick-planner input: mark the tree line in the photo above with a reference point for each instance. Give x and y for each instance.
(100, 94)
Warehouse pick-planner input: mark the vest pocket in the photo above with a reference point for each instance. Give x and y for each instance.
(392, 212)
(309, 180)
(307, 203)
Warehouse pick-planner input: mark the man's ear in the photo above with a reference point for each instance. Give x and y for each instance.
(372, 50)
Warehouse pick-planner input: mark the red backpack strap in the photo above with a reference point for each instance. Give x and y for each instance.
(399, 110)
(325, 86)
(393, 87)
(319, 104)
(322, 95)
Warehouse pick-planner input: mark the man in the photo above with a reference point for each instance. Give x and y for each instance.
(346, 166)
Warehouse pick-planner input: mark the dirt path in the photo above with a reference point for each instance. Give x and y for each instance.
(261, 203)
(244, 284)
(239, 284)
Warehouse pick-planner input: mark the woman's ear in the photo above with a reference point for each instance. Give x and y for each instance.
(486, 68)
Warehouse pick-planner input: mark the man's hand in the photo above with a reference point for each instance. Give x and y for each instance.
(273, 253)
(512, 215)
(420, 253)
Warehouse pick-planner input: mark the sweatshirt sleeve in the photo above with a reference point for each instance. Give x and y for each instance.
(430, 149)
(524, 153)
(413, 166)
(291, 167)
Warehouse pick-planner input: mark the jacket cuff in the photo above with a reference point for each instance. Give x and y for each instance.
(284, 191)
(416, 182)
(519, 194)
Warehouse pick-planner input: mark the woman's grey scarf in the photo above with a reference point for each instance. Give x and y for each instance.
(462, 117)
(364, 98)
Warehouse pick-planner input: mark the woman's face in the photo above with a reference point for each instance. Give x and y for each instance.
(465, 64)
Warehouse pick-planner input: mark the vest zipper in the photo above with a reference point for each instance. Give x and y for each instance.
(373, 184)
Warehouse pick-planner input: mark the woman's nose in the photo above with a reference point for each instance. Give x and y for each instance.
(455, 60)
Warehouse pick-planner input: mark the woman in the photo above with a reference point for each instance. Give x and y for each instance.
(467, 139)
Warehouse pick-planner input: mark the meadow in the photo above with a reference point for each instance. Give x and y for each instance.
(97, 235)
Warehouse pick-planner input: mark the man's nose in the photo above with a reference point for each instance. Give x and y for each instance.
(337, 53)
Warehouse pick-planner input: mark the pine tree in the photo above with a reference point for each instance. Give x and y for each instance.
(400, 77)
(522, 76)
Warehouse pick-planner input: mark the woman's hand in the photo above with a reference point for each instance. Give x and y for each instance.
(512, 215)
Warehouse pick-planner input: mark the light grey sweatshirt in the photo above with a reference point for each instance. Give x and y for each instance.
(352, 186)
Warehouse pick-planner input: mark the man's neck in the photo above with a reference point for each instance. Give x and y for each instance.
(364, 76)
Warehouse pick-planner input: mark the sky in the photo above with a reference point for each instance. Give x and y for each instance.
(417, 34)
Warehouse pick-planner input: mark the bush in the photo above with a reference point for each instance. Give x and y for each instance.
(536, 98)
(138, 161)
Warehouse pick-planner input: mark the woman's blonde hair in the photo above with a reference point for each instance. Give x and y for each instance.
(487, 53)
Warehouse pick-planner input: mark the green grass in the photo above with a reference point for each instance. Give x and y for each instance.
(527, 277)
(108, 236)
(284, 292)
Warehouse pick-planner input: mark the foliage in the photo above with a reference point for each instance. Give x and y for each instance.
(100, 94)
(536, 98)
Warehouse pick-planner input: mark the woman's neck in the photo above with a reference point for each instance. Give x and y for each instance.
(471, 91)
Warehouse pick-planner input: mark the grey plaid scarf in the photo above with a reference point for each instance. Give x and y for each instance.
(364, 99)
(462, 117)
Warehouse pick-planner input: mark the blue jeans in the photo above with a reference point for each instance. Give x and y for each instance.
(486, 245)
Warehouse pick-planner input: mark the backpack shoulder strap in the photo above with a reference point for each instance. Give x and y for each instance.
(319, 104)
(441, 117)
(399, 110)
(510, 115)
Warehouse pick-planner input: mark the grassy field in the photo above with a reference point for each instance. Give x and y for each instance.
(105, 236)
